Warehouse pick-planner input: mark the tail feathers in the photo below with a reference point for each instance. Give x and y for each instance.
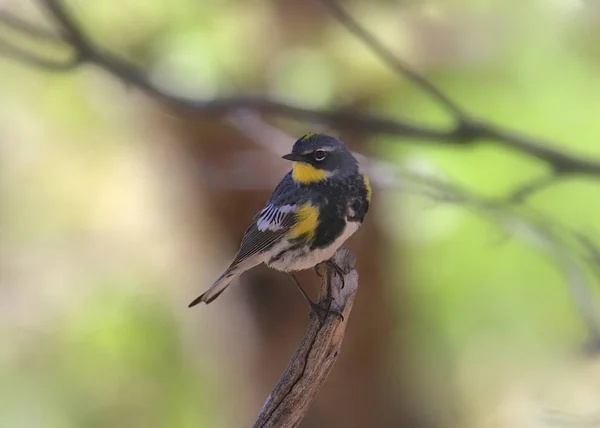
(235, 270)
(216, 289)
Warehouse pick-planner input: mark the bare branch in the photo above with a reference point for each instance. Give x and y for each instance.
(289, 401)
(70, 28)
(11, 21)
(466, 132)
(524, 191)
(390, 58)
(19, 54)
(593, 252)
(560, 160)
(9, 50)
(580, 291)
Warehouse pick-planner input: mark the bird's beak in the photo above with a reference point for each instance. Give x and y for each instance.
(293, 157)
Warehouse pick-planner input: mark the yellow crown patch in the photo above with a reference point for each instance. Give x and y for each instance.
(307, 136)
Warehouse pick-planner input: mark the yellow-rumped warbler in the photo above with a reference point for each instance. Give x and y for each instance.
(317, 206)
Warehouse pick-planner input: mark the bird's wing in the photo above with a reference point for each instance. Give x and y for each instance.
(270, 225)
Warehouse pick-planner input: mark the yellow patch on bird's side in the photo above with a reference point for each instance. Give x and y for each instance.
(306, 173)
(307, 220)
(368, 186)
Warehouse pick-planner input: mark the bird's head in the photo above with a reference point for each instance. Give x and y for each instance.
(319, 157)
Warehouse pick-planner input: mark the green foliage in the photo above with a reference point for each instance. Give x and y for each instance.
(115, 361)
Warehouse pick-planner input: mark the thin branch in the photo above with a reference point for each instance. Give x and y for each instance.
(32, 31)
(467, 130)
(289, 401)
(593, 252)
(524, 191)
(69, 26)
(11, 21)
(577, 284)
(391, 59)
(561, 161)
(19, 54)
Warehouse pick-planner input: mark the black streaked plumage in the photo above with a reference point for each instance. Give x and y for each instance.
(311, 212)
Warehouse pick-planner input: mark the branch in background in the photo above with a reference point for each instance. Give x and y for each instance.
(465, 132)
(592, 254)
(392, 60)
(10, 50)
(30, 30)
(468, 130)
(289, 401)
(522, 192)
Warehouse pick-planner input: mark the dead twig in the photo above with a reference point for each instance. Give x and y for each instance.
(289, 401)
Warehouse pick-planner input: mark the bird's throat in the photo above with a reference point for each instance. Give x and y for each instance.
(305, 173)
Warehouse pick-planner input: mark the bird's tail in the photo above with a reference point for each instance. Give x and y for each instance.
(216, 288)
(222, 283)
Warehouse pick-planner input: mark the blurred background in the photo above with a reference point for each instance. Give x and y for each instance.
(116, 211)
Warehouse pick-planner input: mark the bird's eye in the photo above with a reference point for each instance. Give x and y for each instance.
(320, 155)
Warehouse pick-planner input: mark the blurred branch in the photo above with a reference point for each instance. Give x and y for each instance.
(87, 53)
(521, 193)
(578, 287)
(466, 131)
(9, 50)
(289, 401)
(392, 60)
(11, 21)
(593, 252)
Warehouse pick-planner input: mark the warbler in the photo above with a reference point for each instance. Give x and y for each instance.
(315, 208)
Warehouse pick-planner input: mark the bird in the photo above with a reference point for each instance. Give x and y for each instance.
(315, 208)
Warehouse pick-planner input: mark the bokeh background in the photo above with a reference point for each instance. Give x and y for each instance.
(116, 211)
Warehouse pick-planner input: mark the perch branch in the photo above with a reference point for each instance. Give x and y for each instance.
(289, 401)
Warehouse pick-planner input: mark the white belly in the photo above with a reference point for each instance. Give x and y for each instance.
(302, 259)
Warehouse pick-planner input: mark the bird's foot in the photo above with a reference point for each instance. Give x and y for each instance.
(337, 270)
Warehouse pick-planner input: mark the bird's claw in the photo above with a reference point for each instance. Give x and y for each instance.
(317, 270)
(337, 271)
